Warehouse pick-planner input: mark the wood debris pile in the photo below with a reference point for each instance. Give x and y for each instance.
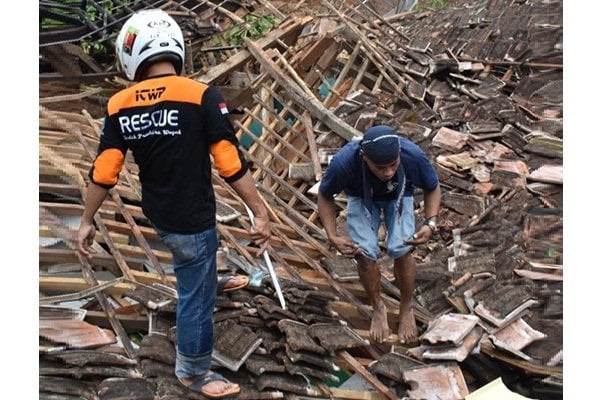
(478, 87)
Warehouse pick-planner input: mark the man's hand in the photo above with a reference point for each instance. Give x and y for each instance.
(344, 246)
(85, 238)
(420, 237)
(261, 233)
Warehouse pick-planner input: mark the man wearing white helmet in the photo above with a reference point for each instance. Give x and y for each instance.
(173, 125)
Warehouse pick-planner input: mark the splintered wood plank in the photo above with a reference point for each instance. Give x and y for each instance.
(361, 72)
(274, 152)
(287, 227)
(125, 229)
(56, 223)
(281, 181)
(286, 147)
(313, 105)
(71, 209)
(88, 274)
(134, 251)
(323, 64)
(69, 97)
(54, 256)
(363, 372)
(380, 61)
(292, 137)
(240, 233)
(310, 135)
(299, 223)
(532, 367)
(375, 20)
(317, 49)
(342, 84)
(49, 284)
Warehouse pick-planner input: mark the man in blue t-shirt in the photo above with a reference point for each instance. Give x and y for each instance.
(378, 175)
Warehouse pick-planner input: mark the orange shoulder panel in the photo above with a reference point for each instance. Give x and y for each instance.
(107, 166)
(226, 158)
(152, 91)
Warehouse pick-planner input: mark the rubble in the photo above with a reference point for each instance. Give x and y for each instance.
(477, 85)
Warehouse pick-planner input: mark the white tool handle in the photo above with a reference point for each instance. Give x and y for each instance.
(269, 265)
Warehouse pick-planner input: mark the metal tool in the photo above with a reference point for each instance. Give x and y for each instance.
(269, 265)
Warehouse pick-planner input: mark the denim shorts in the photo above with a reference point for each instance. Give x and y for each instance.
(363, 226)
(194, 264)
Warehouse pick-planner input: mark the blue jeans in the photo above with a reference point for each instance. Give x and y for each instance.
(363, 226)
(194, 263)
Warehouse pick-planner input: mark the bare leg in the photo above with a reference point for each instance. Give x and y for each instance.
(404, 272)
(369, 277)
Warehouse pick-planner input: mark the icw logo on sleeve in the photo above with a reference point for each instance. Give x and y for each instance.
(223, 108)
(149, 94)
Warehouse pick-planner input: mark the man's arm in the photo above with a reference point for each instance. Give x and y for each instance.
(85, 236)
(327, 213)
(261, 231)
(433, 201)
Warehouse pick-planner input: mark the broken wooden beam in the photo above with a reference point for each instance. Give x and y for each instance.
(308, 101)
(370, 378)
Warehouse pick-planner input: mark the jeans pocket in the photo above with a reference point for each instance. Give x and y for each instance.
(182, 246)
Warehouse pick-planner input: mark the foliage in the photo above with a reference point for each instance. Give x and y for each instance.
(253, 27)
(91, 14)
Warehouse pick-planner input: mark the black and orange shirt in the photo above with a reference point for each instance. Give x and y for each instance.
(172, 125)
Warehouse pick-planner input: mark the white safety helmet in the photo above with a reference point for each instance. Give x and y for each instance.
(146, 37)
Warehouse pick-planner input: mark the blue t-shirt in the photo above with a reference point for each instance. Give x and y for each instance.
(345, 172)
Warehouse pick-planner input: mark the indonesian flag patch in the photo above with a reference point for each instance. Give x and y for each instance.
(223, 108)
(130, 37)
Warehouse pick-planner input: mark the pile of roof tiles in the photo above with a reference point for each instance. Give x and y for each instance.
(478, 87)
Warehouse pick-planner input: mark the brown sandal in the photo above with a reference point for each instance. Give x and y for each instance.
(221, 285)
(198, 382)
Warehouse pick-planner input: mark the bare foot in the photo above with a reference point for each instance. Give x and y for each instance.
(380, 330)
(407, 328)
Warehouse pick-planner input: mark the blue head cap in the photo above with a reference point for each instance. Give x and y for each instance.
(380, 144)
